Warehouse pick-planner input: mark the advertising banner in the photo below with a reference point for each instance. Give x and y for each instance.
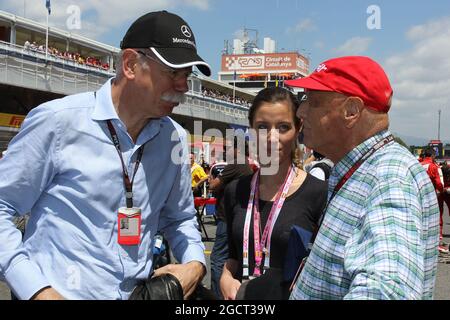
(265, 62)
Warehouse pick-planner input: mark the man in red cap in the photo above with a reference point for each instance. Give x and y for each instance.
(379, 235)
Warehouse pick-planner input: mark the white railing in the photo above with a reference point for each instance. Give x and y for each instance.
(219, 102)
(36, 53)
(22, 68)
(201, 107)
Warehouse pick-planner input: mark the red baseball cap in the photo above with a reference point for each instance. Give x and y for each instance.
(353, 76)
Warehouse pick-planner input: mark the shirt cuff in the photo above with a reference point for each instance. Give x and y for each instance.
(195, 254)
(25, 279)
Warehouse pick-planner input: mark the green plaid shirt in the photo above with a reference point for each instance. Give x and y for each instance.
(379, 237)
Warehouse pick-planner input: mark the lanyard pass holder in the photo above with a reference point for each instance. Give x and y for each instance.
(129, 226)
(129, 199)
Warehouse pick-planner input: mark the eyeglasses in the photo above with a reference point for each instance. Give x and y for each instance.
(174, 74)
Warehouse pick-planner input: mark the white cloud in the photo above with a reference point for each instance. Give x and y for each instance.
(428, 30)
(421, 81)
(97, 16)
(319, 44)
(302, 26)
(201, 4)
(354, 46)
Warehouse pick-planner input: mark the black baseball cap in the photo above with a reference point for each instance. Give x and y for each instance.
(169, 37)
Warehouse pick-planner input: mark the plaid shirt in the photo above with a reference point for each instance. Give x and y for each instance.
(379, 237)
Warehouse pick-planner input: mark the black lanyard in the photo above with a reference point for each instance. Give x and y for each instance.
(126, 179)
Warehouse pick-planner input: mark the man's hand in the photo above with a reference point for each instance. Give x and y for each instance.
(189, 275)
(47, 293)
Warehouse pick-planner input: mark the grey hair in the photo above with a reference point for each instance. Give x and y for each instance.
(119, 64)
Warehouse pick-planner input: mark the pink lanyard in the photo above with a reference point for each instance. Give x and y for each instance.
(263, 246)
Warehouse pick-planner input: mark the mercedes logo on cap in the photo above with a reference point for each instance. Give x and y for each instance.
(186, 31)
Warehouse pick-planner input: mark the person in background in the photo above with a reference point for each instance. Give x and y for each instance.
(446, 193)
(319, 166)
(205, 165)
(198, 175)
(444, 197)
(220, 177)
(261, 209)
(379, 235)
(432, 169)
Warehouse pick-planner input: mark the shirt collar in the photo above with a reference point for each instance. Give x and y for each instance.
(104, 110)
(345, 164)
(104, 107)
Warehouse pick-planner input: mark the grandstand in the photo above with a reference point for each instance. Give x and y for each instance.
(73, 64)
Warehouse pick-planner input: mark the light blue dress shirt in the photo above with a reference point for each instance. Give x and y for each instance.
(64, 169)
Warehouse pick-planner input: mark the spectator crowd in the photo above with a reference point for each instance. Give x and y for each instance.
(216, 94)
(66, 55)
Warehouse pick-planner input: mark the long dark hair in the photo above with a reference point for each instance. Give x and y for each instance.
(274, 95)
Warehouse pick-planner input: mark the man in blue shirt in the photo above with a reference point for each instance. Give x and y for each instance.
(85, 163)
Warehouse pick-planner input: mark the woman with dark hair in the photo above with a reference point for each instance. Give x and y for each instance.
(262, 208)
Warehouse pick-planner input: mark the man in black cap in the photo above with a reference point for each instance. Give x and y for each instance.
(100, 160)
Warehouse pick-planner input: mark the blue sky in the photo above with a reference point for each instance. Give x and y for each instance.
(413, 43)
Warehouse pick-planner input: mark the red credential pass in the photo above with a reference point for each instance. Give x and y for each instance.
(129, 225)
